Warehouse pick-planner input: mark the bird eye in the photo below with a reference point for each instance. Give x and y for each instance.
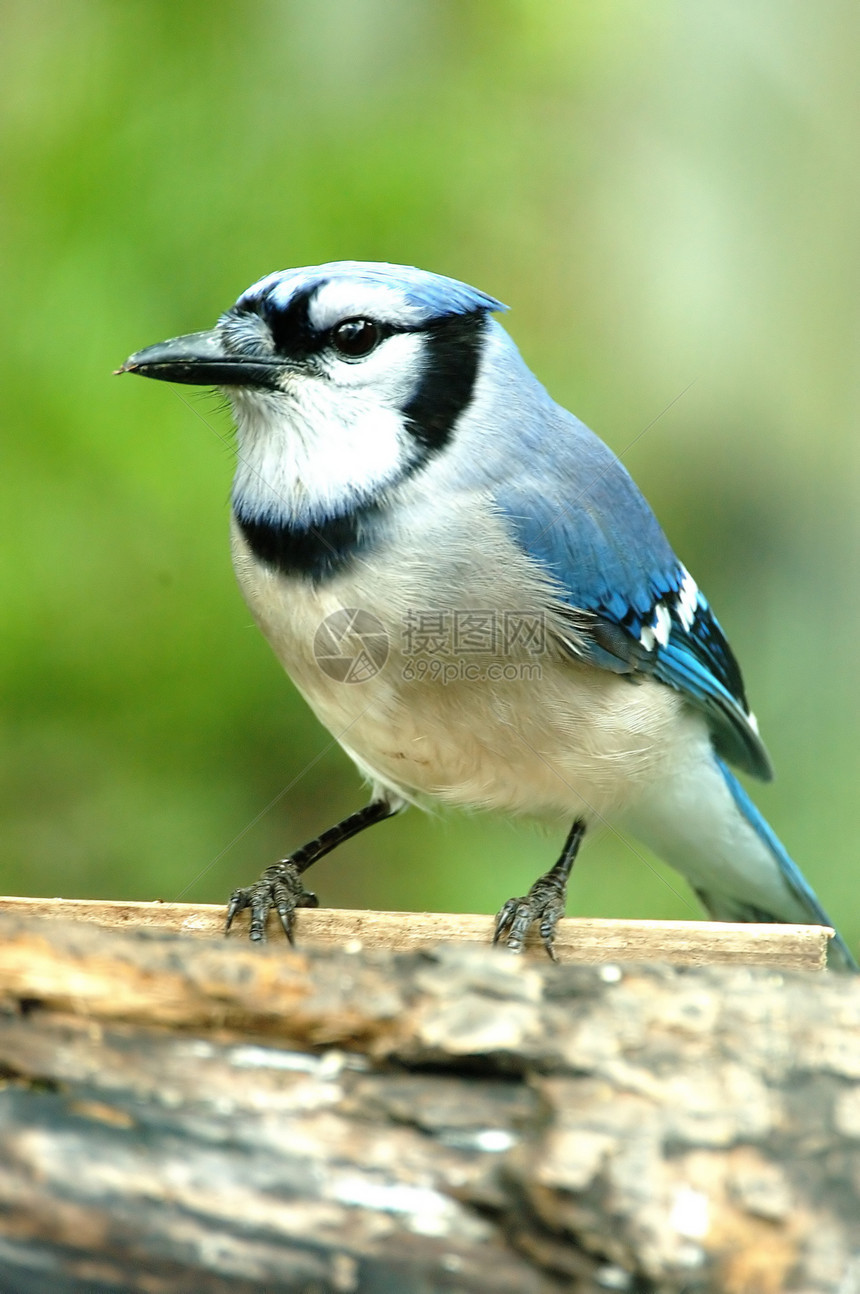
(355, 338)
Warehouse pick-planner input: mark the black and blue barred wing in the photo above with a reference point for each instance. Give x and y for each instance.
(584, 522)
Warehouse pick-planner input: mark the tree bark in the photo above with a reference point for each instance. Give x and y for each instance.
(187, 1114)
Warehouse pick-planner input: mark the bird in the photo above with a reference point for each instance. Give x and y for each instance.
(472, 595)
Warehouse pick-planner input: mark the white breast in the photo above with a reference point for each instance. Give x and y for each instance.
(504, 727)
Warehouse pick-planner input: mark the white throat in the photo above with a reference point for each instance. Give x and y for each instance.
(302, 457)
(332, 438)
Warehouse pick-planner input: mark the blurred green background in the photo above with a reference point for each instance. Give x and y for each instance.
(669, 198)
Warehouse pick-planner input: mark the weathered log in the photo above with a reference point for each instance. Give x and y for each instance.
(189, 1114)
(582, 939)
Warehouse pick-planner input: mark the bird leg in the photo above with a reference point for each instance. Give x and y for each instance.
(280, 886)
(545, 901)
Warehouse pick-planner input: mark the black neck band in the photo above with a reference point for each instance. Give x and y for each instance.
(315, 551)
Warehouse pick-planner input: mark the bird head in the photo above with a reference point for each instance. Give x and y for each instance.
(342, 378)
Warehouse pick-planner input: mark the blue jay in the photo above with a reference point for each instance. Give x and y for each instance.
(399, 466)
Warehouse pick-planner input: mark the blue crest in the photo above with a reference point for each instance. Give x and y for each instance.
(424, 295)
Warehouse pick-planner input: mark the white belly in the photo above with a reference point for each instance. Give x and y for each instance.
(534, 733)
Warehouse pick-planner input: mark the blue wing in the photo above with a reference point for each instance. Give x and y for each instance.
(583, 520)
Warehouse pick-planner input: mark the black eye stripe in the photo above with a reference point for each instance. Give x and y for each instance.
(453, 342)
(291, 329)
(295, 337)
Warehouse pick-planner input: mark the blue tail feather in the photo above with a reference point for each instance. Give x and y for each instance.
(839, 954)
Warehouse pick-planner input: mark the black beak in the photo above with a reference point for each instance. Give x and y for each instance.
(199, 359)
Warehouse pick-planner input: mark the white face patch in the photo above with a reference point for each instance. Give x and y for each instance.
(350, 298)
(330, 439)
(391, 371)
(326, 431)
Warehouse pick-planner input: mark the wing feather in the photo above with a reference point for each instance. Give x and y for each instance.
(594, 534)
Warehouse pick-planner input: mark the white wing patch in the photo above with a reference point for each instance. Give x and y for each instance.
(657, 632)
(662, 623)
(684, 603)
(688, 601)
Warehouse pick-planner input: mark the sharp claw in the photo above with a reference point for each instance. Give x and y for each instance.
(517, 916)
(547, 932)
(279, 887)
(285, 916)
(504, 920)
(238, 901)
(544, 904)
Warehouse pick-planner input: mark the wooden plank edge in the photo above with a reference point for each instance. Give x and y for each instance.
(578, 939)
